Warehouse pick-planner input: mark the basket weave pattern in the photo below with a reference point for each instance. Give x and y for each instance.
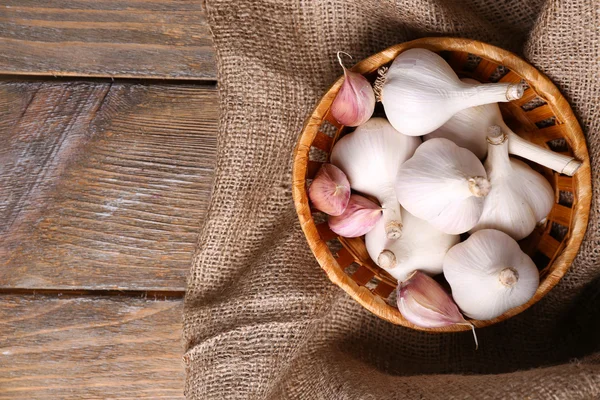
(542, 116)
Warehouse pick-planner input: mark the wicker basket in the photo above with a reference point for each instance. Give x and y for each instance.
(542, 116)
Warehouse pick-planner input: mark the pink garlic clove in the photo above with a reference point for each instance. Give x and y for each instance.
(355, 101)
(423, 302)
(360, 217)
(330, 190)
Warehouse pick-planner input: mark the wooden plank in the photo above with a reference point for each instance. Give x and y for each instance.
(540, 113)
(564, 183)
(485, 69)
(103, 186)
(363, 275)
(101, 348)
(107, 38)
(561, 215)
(548, 246)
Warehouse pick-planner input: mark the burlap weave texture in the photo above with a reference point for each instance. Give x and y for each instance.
(262, 321)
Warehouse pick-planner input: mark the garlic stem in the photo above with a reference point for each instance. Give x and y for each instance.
(474, 334)
(476, 95)
(340, 59)
(530, 151)
(392, 217)
(508, 277)
(497, 154)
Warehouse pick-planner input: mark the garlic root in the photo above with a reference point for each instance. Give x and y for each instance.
(508, 277)
(479, 186)
(386, 259)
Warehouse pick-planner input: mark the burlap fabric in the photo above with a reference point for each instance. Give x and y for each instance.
(262, 321)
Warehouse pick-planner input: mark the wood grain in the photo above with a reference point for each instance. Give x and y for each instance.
(104, 186)
(90, 348)
(106, 38)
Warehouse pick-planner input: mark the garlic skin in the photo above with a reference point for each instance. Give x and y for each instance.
(371, 157)
(359, 217)
(468, 128)
(420, 92)
(423, 302)
(489, 274)
(330, 190)
(520, 197)
(443, 184)
(354, 103)
(421, 247)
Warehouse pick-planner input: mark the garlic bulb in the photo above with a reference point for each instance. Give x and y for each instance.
(423, 302)
(468, 129)
(370, 157)
(421, 247)
(420, 92)
(489, 274)
(520, 197)
(355, 101)
(330, 190)
(359, 217)
(443, 184)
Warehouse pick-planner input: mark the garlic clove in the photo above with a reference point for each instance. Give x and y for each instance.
(423, 302)
(360, 217)
(330, 190)
(489, 274)
(354, 103)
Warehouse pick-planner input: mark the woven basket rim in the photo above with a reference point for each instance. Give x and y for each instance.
(539, 82)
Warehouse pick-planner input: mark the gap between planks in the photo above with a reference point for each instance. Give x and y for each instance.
(61, 293)
(209, 83)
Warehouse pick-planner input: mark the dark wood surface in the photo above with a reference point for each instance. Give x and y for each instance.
(109, 183)
(106, 38)
(104, 184)
(90, 348)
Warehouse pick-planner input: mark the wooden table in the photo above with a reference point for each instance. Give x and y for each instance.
(108, 116)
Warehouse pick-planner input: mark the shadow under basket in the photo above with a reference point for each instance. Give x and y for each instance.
(542, 116)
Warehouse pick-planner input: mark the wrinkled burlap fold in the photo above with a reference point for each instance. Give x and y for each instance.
(262, 321)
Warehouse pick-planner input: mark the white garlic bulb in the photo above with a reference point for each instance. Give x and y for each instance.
(420, 92)
(370, 157)
(443, 184)
(421, 247)
(489, 274)
(468, 129)
(520, 197)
